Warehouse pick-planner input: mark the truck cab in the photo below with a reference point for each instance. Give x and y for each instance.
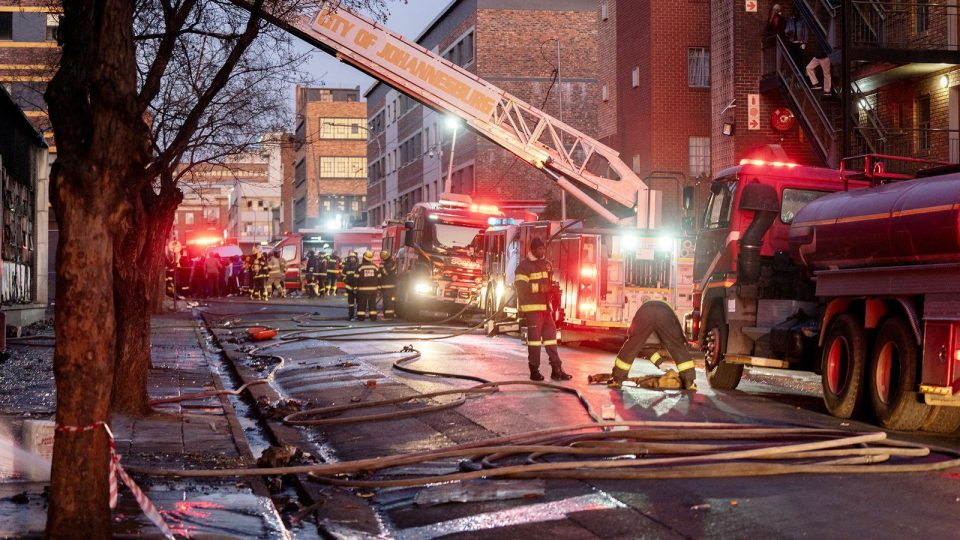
(440, 263)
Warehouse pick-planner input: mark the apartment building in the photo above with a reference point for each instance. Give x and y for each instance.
(895, 80)
(513, 44)
(655, 84)
(330, 159)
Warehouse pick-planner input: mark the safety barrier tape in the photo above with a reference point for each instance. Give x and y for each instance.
(117, 470)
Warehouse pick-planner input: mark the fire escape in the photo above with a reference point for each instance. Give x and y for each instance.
(878, 45)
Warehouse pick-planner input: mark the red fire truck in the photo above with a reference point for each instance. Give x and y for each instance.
(860, 285)
(439, 261)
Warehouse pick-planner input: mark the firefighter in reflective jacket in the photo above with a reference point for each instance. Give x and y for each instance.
(388, 284)
(534, 286)
(368, 278)
(333, 272)
(261, 273)
(350, 267)
(311, 274)
(655, 317)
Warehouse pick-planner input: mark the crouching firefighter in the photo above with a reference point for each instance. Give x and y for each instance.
(534, 286)
(655, 317)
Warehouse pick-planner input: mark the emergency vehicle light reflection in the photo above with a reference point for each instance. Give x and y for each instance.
(421, 288)
(588, 272)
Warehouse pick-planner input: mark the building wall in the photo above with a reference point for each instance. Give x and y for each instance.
(607, 47)
(310, 148)
(506, 36)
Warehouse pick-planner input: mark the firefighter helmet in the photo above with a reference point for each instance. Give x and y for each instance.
(368, 255)
(384, 255)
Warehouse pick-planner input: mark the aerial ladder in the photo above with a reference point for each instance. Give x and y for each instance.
(583, 167)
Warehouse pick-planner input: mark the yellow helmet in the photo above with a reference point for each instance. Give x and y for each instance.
(384, 255)
(368, 255)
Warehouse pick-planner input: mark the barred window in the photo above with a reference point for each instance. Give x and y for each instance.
(342, 128)
(698, 67)
(699, 156)
(604, 93)
(343, 167)
(635, 77)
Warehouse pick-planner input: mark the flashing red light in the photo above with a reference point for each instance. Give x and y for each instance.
(763, 163)
(484, 208)
(204, 241)
(588, 272)
(587, 307)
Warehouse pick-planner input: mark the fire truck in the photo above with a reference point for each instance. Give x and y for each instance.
(439, 249)
(293, 247)
(854, 274)
(604, 274)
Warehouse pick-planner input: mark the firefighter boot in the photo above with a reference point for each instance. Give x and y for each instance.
(535, 373)
(558, 374)
(689, 380)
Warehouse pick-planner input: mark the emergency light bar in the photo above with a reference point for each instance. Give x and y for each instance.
(762, 163)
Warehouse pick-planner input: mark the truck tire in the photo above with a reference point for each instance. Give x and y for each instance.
(893, 378)
(721, 375)
(941, 420)
(842, 365)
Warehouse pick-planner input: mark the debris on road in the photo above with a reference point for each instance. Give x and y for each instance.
(480, 490)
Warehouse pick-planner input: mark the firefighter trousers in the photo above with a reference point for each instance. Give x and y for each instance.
(366, 305)
(276, 284)
(541, 331)
(351, 303)
(389, 302)
(331, 287)
(260, 287)
(655, 317)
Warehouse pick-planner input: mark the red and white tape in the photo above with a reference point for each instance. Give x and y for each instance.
(117, 470)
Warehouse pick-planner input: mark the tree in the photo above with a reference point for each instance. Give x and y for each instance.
(105, 187)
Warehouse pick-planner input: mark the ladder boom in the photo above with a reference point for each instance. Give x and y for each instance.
(571, 158)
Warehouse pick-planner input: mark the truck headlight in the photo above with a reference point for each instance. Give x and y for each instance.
(422, 287)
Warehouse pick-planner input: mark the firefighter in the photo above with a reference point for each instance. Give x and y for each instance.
(350, 266)
(311, 275)
(388, 284)
(260, 275)
(321, 272)
(276, 270)
(655, 317)
(533, 284)
(368, 278)
(333, 272)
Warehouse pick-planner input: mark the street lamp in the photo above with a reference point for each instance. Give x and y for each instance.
(453, 123)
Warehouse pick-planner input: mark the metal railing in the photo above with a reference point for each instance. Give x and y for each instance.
(777, 62)
(935, 144)
(820, 16)
(905, 25)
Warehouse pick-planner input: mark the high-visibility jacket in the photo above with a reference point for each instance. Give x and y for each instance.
(350, 267)
(533, 285)
(388, 274)
(368, 278)
(259, 266)
(333, 265)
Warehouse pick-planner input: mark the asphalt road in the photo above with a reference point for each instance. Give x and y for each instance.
(796, 506)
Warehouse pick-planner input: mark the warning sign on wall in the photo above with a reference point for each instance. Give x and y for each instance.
(751, 6)
(753, 111)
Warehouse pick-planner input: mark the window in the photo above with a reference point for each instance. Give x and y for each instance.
(603, 10)
(719, 207)
(288, 252)
(341, 128)
(211, 214)
(923, 124)
(300, 172)
(923, 16)
(698, 67)
(6, 26)
(343, 167)
(794, 200)
(604, 93)
(188, 218)
(636, 163)
(53, 27)
(699, 156)
(635, 77)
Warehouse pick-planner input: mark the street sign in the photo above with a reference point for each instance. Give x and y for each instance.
(753, 111)
(751, 6)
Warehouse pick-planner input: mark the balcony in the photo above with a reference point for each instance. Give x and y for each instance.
(904, 32)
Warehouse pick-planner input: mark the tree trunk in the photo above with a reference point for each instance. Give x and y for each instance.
(102, 142)
(137, 267)
(83, 369)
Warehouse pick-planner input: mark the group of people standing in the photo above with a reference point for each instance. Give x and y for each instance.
(363, 280)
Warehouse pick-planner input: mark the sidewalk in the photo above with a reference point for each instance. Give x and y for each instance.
(194, 435)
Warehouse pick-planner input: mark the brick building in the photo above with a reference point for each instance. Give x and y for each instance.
(896, 86)
(512, 44)
(655, 82)
(330, 162)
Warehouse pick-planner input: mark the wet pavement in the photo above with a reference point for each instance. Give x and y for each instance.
(205, 348)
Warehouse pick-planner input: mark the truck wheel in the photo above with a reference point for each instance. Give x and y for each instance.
(721, 375)
(893, 378)
(490, 305)
(942, 420)
(842, 365)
